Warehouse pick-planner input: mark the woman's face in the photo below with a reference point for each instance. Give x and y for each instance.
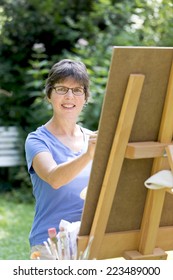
(67, 105)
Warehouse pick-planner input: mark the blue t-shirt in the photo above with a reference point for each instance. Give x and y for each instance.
(53, 205)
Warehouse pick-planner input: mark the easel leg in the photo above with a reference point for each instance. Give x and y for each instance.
(115, 161)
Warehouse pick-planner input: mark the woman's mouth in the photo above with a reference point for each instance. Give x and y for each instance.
(68, 106)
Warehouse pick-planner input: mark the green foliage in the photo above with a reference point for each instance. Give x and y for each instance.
(39, 111)
(16, 183)
(60, 26)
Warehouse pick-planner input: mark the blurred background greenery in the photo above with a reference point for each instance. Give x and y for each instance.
(35, 34)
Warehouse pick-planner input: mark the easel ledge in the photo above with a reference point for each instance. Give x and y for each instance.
(125, 244)
(149, 149)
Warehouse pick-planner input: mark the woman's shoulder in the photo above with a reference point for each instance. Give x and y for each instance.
(39, 133)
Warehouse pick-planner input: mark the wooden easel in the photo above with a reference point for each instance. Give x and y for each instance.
(155, 199)
(146, 242)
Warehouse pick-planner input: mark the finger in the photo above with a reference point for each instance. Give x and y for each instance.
(92, 138)
(90, 133)
(92, 141)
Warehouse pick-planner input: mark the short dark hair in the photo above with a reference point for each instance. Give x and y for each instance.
(64, 69)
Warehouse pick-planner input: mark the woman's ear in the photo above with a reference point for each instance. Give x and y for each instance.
(48, 99)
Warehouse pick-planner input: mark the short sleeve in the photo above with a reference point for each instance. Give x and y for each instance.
(34, 145)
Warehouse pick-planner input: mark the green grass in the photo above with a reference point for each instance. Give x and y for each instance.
(15, 223)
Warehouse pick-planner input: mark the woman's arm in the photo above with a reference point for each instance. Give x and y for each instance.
(59, 175)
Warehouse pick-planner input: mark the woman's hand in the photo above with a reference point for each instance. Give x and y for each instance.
(92, 143)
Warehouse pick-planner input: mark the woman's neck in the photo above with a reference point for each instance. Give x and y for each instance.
(70, 134)
(59, 127)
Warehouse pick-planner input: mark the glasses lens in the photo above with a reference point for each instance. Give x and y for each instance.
(78, 91)
(61, 90)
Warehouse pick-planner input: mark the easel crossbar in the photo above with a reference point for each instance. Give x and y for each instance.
(116, 244)
(151, 149)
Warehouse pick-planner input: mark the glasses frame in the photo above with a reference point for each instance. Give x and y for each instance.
(72, 89)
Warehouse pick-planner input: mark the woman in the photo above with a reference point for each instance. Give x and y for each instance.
(59, 154)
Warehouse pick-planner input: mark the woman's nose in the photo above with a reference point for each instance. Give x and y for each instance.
(69, 93)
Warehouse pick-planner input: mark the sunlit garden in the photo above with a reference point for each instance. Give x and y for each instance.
(33, 36)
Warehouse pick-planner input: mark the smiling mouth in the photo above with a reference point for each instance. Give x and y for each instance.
(68, 106)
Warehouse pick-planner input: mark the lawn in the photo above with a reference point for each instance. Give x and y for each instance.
(15, 223)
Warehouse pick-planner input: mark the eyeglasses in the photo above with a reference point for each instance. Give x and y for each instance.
(78, 91)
